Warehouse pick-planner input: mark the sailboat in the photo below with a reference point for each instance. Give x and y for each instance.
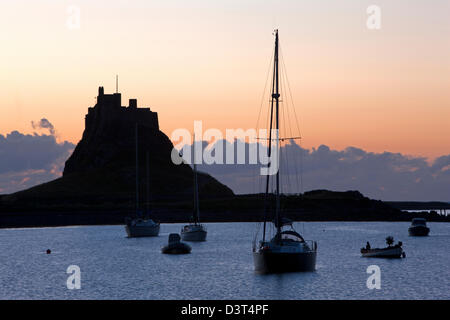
(140, 225)
(194, 231)
(287, 251)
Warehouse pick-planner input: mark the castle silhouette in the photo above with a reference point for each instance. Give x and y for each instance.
(110, 110)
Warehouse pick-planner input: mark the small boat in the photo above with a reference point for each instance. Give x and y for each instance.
(194, 231)
(286, 251)
(140, 225)
(418, 228)
(391, 251)
(175, 246)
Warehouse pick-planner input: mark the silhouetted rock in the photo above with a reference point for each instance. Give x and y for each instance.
(328, 195)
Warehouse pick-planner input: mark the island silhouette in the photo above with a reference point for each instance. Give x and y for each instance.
(98, 185)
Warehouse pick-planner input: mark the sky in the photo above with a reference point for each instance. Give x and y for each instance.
(383, 90)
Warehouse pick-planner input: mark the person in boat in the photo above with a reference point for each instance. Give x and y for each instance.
(367, 245)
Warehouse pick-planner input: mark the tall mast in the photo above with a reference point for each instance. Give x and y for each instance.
(276, 95)
(148, 181)
(137, 171)
(196, 205)
(269, 151)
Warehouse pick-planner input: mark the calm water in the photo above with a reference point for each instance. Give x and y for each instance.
(115, 267)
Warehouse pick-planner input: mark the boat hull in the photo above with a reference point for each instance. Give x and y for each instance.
(178, 248)
(142, 231)
(418, 231)
(280, 262)
(395, 252)
(197, 235)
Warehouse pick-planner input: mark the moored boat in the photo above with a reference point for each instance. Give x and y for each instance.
(195, 231)
(175, 246)
(391, 251)
(287, 251)
(140, 225)
(418, 228)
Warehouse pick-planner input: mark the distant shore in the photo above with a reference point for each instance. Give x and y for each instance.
(61, 219)
(317, 205)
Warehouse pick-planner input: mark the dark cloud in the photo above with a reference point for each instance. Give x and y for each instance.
(386, 176)
(27, 160)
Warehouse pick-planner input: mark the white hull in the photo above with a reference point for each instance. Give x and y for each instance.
(193, 233)
(194, 236)
(384, 253)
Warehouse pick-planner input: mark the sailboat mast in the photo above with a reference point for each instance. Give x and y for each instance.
(196, 205)
(137, 170)
(148, 181)
(276, 95)
(269, 151)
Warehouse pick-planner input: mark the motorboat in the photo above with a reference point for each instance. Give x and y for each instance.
(175, 246)
(418, 228)
(391, 251)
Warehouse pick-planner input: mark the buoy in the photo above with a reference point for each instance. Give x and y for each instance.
(49, 251)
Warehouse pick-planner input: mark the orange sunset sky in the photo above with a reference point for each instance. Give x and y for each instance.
(380, 90)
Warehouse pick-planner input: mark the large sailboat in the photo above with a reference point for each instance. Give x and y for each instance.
(141, 225)
(286, 251)
(195, 231)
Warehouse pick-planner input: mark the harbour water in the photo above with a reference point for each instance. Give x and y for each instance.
(115, 267)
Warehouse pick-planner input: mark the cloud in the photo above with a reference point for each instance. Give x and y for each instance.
(385, 176)
(44, 124)
(27, 160)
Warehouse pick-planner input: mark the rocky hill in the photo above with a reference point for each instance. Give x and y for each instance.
(102, 168)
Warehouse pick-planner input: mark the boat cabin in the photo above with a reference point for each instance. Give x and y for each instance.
(419, 222)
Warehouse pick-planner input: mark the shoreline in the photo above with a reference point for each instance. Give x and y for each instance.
(89, 220)
(316, 205)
